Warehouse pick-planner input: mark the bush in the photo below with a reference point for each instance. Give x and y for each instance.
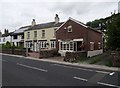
(75, 56)
(109, 64)
(8, 44)
(95, 60)
(116, 59)
(49, 53)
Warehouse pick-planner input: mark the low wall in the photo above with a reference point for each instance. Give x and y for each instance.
(93, 53)
(14, 51)
(63, 52)
(49, 53)
(74, 56)
(116, 58)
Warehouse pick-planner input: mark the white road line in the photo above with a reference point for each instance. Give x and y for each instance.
(3, 60)
(112, 73)
(80, 78)
(106, 84)
(32, 67)
(104, 72)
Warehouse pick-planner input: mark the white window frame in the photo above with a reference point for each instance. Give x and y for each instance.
(66, 46)
(35, 34)
(99, 45)
(43, 44)
(28, 35)
(4, 39)
(69, 28)
(43, 33)
(91, 45)
(53, 44)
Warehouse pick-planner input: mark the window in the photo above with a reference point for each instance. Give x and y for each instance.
(71, 46)
(15, 37)
(3, 39)
(43, 33)
(69, 28)
(28, 35)
(66, 45)
(99, 45)
(53, 44)
(35, 34)
(91, 45)
(22, 36)
(43, 44)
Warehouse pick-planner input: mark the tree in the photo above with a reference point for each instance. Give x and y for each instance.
(8, 45)
(113, 33)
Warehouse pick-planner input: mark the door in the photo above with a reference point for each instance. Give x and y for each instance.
(79, 48)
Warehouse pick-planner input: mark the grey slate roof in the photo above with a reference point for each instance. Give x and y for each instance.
(45, 25)
(20, 30)
(5, 35)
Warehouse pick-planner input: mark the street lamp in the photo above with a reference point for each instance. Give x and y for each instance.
(26, 49)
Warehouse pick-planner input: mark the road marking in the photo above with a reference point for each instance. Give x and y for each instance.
(3, 60)
(32, 67)
(80, 78)
(104, 72)
(106, 84)
(112, 73)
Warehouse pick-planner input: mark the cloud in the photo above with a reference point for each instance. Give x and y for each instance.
(17, 13)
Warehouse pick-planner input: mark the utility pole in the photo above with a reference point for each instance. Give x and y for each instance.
(39, 49)
(26, 49)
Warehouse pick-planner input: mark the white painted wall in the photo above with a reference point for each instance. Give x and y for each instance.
(119, 7)
(8, 38)
(63, 52)
(93, 53)
(19, 38)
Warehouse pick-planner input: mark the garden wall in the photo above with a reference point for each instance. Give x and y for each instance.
(74, 56)
(14, 51)
(116, 59)
(49, 53)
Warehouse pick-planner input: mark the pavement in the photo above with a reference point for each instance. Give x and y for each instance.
(27, 71)
(60, 61)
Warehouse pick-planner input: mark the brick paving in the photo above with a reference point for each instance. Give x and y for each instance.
(36, 55)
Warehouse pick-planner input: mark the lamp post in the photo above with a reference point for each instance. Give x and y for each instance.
(26, 49)
(39, 48)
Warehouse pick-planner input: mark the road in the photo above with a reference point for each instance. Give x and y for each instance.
(19, 71)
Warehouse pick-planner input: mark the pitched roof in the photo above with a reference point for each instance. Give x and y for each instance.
(5, 35)
(44, 25)
(20, 30)
(78, 22)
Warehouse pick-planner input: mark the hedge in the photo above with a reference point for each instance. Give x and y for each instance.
(74, 56)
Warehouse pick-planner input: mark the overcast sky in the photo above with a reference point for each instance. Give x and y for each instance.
(18, 13)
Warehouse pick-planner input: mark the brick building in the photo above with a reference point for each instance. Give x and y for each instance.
(74, 36)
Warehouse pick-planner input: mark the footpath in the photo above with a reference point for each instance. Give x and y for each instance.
(60, 61)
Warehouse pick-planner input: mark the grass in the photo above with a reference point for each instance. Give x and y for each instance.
(109, 64)
(94, 60)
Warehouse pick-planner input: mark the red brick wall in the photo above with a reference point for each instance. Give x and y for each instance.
(78, 31)
(95, 37)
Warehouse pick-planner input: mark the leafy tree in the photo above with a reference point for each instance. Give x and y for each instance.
(8, 45)
(113, 33)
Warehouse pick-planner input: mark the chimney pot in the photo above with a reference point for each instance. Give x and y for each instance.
(56, 19)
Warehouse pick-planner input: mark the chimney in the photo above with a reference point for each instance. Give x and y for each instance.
(56, 19)
(33, 22)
